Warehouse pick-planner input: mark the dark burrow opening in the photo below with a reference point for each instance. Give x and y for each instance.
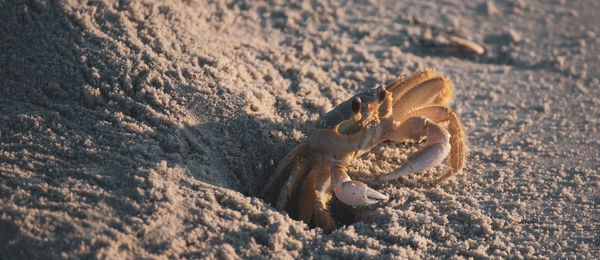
(341, 213)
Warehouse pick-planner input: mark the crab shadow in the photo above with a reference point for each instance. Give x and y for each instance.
(239, 153)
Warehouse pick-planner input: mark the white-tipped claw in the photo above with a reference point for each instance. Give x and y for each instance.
(355, 193)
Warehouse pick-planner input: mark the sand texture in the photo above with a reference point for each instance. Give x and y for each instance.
(147, 128)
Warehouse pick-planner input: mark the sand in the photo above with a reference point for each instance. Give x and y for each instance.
(147, 129)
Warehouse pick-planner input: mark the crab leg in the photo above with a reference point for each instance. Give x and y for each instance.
(436, 148)
(434, 91)
(353, 193)
(315, 196)
(321, 215)
(400, 86)
(283, 164)
(440, 142)
(299, 170)
(308, 195)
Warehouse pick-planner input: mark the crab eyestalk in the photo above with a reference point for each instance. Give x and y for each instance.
(385, 99)
(356, 106)
(353, 124)
(382, 95)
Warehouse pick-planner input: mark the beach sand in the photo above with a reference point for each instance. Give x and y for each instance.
(146, 129)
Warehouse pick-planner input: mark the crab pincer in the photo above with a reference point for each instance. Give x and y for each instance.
(353, 193)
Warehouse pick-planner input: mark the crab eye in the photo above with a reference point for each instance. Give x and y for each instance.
(381, 95)
(356, 103)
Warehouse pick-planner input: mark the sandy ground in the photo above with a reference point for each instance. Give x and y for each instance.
(146, 129)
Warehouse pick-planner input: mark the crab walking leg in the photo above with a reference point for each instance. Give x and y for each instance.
(321, 216)
(299, 170)
(436, 91)
(308, 195)
(315, 196)
(283, 164)
(400, 86)
(436, 149)
(457, 142)
(353, 193)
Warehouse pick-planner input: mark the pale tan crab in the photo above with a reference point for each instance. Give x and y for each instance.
(405, 111)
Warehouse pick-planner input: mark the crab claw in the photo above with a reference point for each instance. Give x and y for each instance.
(353, 193)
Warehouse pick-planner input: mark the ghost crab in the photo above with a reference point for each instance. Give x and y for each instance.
(405, 111)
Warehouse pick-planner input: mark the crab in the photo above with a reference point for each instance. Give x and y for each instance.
(407, 110)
